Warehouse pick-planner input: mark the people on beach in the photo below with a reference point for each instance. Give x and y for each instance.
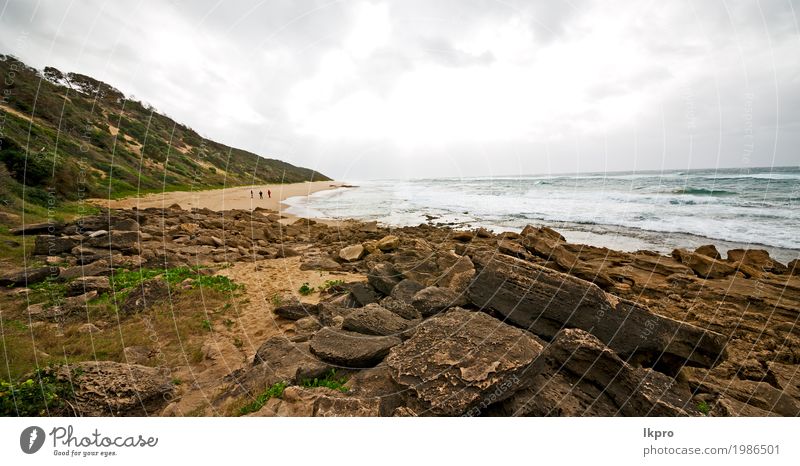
(251, 194)
(269, 194)
(261, 194)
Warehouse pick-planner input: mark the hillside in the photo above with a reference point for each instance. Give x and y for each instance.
(76, 137)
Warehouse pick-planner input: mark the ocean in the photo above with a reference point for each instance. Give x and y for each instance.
(731, 208)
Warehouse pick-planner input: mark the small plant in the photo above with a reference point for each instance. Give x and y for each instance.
(334, 286)
(305, 289)
(206, 324)
(39, 395)
(277, 300)
(217, 282)
(275, 391)
(228, 323)
(237, 342)
(704, 408)
(329, 381)
(176, 381)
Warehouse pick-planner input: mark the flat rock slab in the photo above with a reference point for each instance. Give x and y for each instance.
(545, 301)
(461, 359)
(373, 319)
(351, 349)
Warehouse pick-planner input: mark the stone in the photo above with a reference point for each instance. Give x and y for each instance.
(793, 267)
(383, 277)
(463, 236)
(483, 233)
(27, 276)
(709, 250)
(406, 289)
(553, 250)
(307, 325)
(146, 295)
(757, 258)
(703, 266)
(352, 253)
(544, 301)
(38, 229)
(363, 293)
(107, 388)
(512, 248)
(88, 328)
(48, 245)
(293, 309)
(401, 308)
(83, 285)
(136, 354)
(388, 243)
(433, 300)
(369, 227)
(124, 241)
(320, 263)
(372, 319)
(462, 359)
(100, 267)
(278, 359)
(351, 349)
(457, 271)
(580, 376)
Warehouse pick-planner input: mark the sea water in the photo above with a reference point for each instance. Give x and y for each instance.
(659, 211)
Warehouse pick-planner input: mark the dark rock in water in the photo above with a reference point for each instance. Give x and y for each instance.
(83, 285)
(351, 349)
(27, 276)
(146, 295)
(47, 245)
(709, 250)
(384, 277)
(107, 388)
(462, 360)
(293, 309)
(433, 300)
(406, 289)
(703, 266)
(401, 308)
(583, 377)
(320, 263)
(757, 258)
(545, 301)
(363, 293)
(372, 319)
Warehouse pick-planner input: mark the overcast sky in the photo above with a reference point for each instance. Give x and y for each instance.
(387, 89)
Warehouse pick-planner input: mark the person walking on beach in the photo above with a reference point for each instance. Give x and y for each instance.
(269, 194)
(251, 194)
(261, 194)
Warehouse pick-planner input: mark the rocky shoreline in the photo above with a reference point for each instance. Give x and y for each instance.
(443, 322)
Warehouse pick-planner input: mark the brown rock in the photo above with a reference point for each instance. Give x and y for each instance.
(709, 250)
(352, 253)
(703, 266)
(372, 319)
(351, 349)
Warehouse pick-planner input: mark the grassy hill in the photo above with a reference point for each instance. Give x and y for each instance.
(67, 137)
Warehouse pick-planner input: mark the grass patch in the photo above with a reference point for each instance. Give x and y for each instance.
(275, 391)
(331, 380)
(704, 408)
(305, 289)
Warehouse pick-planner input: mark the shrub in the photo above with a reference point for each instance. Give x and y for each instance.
(275, 391)
(305, 289)
(329, 381)
(36, 396)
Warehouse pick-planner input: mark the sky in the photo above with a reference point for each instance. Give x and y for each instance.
(432, 88)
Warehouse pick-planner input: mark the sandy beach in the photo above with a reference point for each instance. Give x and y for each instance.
(223, 199)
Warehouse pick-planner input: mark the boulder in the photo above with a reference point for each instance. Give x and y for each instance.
(793, 267)
(107, 388)
(433, 300)
(383, 277)
(51, 228)
(401, 308)
(124, 241)
(406, 289)
(352, 253)
(100, 267)
(320, 263)
(463, 236)
(461, 359)
(332, 314)
(757, 258)
(388, 243)
(546, 232)
(48, 245)
(293, 309)
(457, 271)
(27, 276)
(709, 250)
(83, 285)
(553, 250)
(580, 376)
(512, 248)
(351, 349)
(363, 293)
(372, 319)
(146, 295)
(703, 266)
(544, 301)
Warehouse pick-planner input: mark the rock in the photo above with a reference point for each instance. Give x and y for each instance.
(88, 328)
(352, 253)
(458, 271)
(483, 233)
(401, 308)
(461, 359)
(377, 383)
(512, 248)
(545, 232)
(793, 267)
(372, 319)
(388, 243)
(83, 285)
(363, 293)
(709, 250)
(463, 236)
(339, 406)
(351, 349)
(106, 388)
(757, 258)
(38, 229)
(332, 314)
(369, 227)
(406, 289)
(68, 306)
(53, 260)
(320, 263)
(544, 301)
(146, 295)
(433, 300)
(285, 251)
(553, 250)
(383, 277)
(703, 266)
(307, 326)
(583, 377)
(100, 267)
(27, 276)
(47, 245)
(293, 309)
(278, 359)
(136, 354)
(125, 241)
(87, 255)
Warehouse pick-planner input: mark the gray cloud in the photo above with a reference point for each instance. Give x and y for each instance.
(418, 88)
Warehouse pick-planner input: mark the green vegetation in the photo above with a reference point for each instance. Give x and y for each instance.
(331, 380)
(68, 137)
(704, 408)
(305, 289)
(275, 391)
(206, 324)
(334, 286)
(39, 395)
